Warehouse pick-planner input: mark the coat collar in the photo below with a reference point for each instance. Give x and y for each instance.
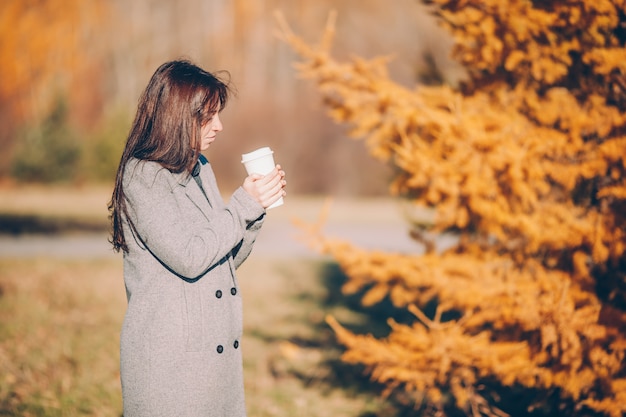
(193, 191)
(184, 178)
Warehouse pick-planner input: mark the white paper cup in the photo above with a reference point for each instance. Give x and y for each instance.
(261, 162)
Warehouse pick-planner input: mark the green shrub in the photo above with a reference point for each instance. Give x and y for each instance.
(49, 152)
(103, 151)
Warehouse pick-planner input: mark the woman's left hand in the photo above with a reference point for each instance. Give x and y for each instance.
(266, 189)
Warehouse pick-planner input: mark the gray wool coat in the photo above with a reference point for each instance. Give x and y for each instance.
(181, 337)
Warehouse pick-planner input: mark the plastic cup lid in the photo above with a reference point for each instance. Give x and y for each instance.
(256, 154)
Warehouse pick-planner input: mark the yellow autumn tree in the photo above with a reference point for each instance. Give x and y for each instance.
(525, 161)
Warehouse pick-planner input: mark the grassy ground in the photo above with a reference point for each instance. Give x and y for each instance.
(59, 325)
(60, 321)
(59, 335)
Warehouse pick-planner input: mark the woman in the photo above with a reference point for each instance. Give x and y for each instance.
(181, 337)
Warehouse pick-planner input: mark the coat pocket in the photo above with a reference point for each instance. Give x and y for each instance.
(193, 321)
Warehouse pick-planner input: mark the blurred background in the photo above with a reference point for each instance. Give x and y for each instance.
(72, 72)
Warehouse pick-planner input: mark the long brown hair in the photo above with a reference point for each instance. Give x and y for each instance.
(178, 100)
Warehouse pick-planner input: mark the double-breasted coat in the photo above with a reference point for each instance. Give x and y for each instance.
(181, 337)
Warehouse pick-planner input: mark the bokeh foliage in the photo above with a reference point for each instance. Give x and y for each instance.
(100, 54)
(54, 152)
(525, 161)
(49, 152)
(51, 61)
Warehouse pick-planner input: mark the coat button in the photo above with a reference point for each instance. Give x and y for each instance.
(218, 293)
(236, 344)
(220, 348)
(233, 291)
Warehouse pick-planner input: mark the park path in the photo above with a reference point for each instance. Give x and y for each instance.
(370, 223)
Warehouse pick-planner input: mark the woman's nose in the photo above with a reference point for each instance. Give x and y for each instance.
(217, 123)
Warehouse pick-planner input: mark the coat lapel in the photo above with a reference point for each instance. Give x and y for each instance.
(195, 194)
(213, 199)
(210, 184)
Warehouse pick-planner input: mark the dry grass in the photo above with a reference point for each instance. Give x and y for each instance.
(60, 321)
(291, 361)
(59, 336)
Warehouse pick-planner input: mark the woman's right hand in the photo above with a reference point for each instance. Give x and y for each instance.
(266, 189)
